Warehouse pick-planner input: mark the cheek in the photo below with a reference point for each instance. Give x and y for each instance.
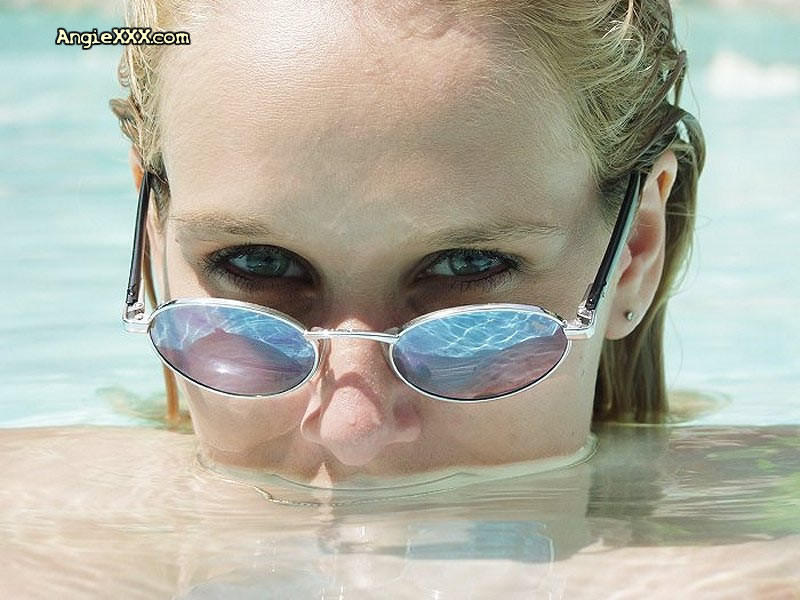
(238, 425)
(568, 389)
(553, 418)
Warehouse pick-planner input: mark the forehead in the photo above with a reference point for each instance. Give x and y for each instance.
(311, 99)
(307, 53)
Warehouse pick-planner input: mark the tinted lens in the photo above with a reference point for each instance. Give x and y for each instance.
(232, 350)
(479, 355)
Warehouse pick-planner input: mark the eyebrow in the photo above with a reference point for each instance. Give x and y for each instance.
(507, 230)
(210, 225)
(214, 223)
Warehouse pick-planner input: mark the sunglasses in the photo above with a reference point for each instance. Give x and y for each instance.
(471, 353)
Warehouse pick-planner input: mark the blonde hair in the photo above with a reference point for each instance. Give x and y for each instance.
(614, 62)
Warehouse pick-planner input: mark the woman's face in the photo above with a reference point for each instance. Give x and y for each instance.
(372, 179)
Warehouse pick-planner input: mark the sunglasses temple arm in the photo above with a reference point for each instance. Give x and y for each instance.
(133, 313)
(587, 308)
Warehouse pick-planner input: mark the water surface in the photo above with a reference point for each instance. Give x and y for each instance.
(97, 503)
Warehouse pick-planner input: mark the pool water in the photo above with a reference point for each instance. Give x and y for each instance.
(709, 508)
(689, 512)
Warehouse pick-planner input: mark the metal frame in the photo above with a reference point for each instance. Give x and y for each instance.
(582, 327)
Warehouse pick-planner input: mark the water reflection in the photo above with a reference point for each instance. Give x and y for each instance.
(126, 511)
(646, 487)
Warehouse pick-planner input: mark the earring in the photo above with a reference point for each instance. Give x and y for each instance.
(630, 315)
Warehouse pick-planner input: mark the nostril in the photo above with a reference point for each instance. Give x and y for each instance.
(356, 427)
(408, 422)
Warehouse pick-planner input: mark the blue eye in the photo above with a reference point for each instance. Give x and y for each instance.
(466, 267)
(261, 262)
(252, 267)
(257, 268)
(465, 263)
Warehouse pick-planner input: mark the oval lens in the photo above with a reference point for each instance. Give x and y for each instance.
(232, 349)
(481, 354)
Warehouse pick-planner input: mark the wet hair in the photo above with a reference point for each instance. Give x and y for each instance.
(619, 68)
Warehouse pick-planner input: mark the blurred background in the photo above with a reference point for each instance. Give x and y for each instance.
(68, 208)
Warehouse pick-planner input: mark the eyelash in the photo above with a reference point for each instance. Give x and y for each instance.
(214, 265)
(486, 283)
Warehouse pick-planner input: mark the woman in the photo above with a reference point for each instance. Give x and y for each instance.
(356, 166)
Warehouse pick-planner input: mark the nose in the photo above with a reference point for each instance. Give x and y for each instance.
(359, 407)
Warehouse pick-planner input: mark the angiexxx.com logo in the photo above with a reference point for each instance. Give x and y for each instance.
(120, 36)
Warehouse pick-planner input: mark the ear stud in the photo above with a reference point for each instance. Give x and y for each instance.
(630, 315)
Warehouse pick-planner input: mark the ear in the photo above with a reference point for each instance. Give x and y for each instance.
(642, 260)
(154, 238)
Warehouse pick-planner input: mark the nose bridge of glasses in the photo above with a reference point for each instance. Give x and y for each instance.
(318, 333)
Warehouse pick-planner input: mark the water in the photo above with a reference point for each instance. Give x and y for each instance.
(709, 508)
(708, 512)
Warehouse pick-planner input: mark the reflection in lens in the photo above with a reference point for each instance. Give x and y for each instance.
(480, 354)
(232, 349)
